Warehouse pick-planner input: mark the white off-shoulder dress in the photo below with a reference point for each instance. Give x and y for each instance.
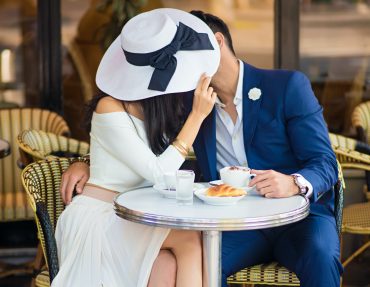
(95, 246)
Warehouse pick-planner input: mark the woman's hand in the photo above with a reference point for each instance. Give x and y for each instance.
(74, 178)
(204, 98)
(203, 103)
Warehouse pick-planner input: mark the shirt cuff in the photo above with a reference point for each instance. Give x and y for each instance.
(305, 183)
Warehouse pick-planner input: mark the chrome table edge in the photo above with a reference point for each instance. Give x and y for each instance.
(214, 224)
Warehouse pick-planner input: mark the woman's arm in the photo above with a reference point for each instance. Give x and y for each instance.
(203, 103)
(119, 137)
(204, 98)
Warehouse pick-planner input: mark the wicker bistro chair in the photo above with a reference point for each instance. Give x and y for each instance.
(274, 274)
(361, 121)
(36, 145)
(13, 199)
(342, 141)
(356, 217)
(41, 181)
(342, 144)
(13, 202)
(43, 279)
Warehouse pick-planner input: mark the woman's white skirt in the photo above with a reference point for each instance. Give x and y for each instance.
(98, 248)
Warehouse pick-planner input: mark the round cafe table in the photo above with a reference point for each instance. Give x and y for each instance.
(4, 148)
(147, 206)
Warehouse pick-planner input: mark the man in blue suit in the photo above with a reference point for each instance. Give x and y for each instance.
(270, 121)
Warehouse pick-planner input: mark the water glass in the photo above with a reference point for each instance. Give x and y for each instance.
(184, 187)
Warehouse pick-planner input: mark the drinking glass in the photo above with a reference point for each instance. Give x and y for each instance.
(184, 187)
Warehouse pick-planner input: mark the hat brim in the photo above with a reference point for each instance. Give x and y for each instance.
(121, 80)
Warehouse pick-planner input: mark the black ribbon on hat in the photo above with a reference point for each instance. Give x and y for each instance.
(163, 60)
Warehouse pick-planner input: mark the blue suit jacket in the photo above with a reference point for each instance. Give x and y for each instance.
(284, 130)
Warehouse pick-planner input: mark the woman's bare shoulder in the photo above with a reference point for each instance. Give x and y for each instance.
(109, 105)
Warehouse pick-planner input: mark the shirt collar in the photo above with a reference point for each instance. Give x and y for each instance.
(239, 88)
(218, 103)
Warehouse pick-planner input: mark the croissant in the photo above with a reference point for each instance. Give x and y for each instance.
(224, 190)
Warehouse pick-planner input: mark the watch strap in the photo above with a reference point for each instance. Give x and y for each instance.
(303, 189)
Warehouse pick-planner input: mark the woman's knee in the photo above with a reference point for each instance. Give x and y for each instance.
(191, 236)
(184, 240)
(191, 239)
(164, 270)
(166, 261)
(166, 257)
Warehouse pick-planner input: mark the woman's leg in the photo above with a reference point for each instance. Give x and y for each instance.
(164, 270)
(186, 245)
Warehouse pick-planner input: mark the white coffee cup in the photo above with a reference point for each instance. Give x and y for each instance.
(170, 180)
(236, 176)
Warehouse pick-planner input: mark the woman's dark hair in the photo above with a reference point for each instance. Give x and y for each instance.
(217, 25)
(164, 117)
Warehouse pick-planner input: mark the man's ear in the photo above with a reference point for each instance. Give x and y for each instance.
(220, 39)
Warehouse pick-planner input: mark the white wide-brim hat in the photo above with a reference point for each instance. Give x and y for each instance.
(147, 33)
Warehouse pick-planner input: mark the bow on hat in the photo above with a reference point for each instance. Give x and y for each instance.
(163, 60)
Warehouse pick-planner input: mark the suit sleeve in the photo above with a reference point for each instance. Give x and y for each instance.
(308, 135)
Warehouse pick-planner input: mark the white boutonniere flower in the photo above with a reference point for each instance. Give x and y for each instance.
(254, 94)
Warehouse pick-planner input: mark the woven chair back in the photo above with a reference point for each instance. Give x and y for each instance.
(344, 149)
(36, 145)
(13, 202)
(41, 181)
(342, 141)
(361, 119)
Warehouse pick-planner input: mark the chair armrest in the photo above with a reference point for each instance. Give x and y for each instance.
(352, 159)
(50, 243)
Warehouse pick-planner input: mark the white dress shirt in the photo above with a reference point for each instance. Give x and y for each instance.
(229, 136)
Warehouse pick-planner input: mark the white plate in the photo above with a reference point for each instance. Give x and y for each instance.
(214, 200)
(162, 189)
(218, 182)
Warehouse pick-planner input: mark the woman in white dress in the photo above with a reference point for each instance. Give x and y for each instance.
(139, 131)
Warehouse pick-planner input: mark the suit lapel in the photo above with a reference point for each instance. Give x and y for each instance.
(251, 79)
(205, 147)
(205, 143)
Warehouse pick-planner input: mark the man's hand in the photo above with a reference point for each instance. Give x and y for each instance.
(273, 184)
(75, 176)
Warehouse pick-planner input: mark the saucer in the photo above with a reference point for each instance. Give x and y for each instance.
(214, 200)
(171, 193)
(218, 182)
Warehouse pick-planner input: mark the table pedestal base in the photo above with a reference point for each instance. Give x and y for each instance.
(212, 258)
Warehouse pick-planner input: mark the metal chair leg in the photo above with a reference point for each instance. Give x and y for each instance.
(355, 254)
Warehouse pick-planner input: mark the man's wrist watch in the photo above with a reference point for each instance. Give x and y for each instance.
(300, 182)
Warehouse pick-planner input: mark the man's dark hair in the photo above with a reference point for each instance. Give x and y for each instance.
(217, 25)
